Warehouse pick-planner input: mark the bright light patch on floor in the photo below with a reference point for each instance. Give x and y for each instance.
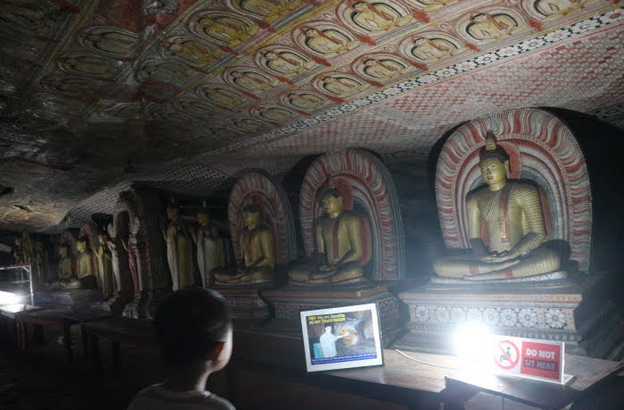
(8, 298)
(473, 346)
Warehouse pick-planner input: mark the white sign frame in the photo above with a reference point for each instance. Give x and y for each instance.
(364, 345)
(510, 357)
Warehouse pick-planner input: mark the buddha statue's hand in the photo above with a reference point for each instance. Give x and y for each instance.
(500, 257)
(327, 268)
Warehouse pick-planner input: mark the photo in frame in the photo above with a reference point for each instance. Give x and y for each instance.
(341, 337)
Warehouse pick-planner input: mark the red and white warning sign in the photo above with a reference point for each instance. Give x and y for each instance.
(508, 354)
(535, 359)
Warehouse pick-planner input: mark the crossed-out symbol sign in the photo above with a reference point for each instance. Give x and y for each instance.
(507, 355)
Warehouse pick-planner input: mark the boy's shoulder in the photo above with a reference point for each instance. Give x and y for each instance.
(156, 397)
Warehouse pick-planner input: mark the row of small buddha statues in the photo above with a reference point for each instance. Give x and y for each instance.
(80, 272)
(339, 238)
(508, 211)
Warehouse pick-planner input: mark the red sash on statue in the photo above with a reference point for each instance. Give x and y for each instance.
(335, 241)
(503, 212)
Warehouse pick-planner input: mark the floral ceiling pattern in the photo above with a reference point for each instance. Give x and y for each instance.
(94, 92)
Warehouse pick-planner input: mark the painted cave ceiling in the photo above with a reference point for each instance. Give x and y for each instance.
(186, 93)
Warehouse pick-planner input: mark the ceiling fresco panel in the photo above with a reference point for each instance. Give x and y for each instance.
(104, 86)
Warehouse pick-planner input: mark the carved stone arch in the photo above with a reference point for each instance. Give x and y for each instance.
(372, 188)
(542, 149)
(259, 189)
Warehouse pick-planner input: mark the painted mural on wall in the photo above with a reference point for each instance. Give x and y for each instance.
(259, 66)
(214, 35)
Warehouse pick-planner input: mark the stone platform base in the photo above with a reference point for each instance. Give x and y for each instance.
(572, 310)
(68, 298)
(244, 300)
(286, 303)
(115, 304)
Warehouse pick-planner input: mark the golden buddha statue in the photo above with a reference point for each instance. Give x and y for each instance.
(258, 250)
(66, 264)
(340, 242)
(178, 249)
(206, 239)
(105, 266)
(511, 213)
(84, 277)
(84, 264)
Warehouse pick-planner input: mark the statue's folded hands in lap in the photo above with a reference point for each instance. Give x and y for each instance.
(340, 241)
(258, 250)
(511, 213)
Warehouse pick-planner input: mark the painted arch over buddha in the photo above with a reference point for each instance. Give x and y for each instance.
(542, 151)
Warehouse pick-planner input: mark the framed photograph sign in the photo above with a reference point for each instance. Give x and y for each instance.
(341, 338)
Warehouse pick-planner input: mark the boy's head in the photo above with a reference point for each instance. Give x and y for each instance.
(193, 326)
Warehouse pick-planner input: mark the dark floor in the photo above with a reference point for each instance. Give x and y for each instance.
(42, 379)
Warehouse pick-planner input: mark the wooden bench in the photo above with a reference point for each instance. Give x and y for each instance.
(8, 324)
(118, 330)
(59, 318)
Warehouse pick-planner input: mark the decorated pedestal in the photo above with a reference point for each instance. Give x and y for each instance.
(245, 301)
(561, 305)
(569, 310)
(362, 188)
(69, 298)
(287, 302)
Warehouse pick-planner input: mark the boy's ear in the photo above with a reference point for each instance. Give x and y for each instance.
(216, 350)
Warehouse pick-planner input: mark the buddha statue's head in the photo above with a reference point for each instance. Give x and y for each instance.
(251, 216)
(419, 41)
(311, 32)
(172, 212)
(203, 218)
(494, 163)
(270, 55)
(332, 202)
(102, 239)
(360, 6)
(81, 245)
(479, 18)
(63, 250)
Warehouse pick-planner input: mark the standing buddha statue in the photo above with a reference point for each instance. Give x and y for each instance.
(178, 250)
(105, 267)
(206, 239)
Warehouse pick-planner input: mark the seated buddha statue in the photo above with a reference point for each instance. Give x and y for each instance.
(84, 277)
(66, 264)
(511, 213)
(84, 265)
(341, 245)
(258, 250)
